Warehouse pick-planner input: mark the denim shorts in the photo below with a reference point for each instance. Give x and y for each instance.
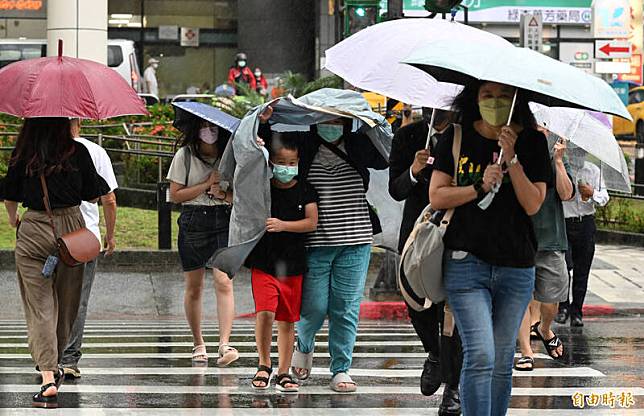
(202, 231)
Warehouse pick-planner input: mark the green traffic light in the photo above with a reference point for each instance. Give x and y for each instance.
(360, 11)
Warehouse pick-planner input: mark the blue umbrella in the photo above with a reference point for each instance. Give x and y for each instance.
(184, 112)
(547, 81)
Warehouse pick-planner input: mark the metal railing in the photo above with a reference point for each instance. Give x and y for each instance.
(165, 144)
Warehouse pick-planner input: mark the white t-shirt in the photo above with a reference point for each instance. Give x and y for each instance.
(150, 81)
(199, 172)
(103, 166)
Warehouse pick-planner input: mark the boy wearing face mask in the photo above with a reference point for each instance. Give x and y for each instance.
(278, 263)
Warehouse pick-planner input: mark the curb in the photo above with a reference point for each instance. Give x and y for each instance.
(395, 311)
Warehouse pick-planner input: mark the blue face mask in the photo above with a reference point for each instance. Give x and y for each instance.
(330, 132)
(284, 174)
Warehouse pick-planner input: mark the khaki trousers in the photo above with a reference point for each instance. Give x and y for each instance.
(50, 305)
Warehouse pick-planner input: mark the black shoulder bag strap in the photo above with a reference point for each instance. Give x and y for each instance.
(342, 155)
(187, 160)
(373, 215)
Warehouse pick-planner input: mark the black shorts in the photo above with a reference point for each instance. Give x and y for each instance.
(202, 231)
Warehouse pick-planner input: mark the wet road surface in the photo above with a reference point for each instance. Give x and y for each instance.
(143, 368)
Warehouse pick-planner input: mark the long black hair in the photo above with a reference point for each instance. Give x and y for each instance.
(45, 146)
(190, 137)
(466, 106)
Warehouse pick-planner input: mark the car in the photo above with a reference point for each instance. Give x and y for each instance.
(625, 129)
(121, 56)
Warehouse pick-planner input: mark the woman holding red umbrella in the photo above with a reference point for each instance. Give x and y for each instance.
(45, 148)
(50, 174)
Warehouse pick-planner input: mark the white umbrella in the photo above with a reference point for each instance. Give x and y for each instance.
(584, 128)
(613, 179)
(371, 58)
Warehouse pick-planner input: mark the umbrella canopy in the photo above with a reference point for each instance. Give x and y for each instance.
(371, 58)
(584, 129)
(548, 81)
(185, 111)
(66, 87)
(613, 179)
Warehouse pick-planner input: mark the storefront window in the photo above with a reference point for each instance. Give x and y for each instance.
(155, 26)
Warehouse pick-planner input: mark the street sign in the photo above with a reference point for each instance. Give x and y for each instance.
(532, 31)
(635, 73)
(611, 19)
(190, 36)
(577, 54)
(621, 88)
(612, 67)
(168, 32)
(612, 49)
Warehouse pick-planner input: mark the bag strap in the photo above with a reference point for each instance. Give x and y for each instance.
(342, 155)
(45, 191)
(456, 154)
(187, 160)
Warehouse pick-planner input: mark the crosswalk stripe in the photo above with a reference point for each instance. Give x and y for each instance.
(249, 371)
(245, 389)
(377, 344)
(176, 355)
(303, 411)
(99, 345)
(139, 334)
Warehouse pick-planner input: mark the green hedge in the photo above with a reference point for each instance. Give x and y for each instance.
(622, 214)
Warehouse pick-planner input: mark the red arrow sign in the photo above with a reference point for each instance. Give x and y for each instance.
(608, 49)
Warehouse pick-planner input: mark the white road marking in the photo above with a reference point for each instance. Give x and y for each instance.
(249, 371)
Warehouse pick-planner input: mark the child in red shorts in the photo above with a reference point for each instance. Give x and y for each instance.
(278, 262)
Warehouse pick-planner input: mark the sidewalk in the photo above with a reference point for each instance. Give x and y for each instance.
(616, 287)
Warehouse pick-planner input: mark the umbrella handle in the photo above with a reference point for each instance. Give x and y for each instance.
(431, 125)
(487, 200)
(514, 102)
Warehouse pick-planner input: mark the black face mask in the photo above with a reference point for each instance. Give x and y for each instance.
(440, 118)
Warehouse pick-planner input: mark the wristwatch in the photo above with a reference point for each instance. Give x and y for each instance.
(514, 161)
(478, 187)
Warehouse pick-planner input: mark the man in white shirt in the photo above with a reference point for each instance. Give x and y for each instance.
(150, 82)
(103, 165)
(581, 229)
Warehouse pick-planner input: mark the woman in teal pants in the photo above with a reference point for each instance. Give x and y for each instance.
(334, 161)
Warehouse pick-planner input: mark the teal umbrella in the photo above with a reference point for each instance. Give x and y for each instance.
(547, 81)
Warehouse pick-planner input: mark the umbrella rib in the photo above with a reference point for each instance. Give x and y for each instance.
(94, 103)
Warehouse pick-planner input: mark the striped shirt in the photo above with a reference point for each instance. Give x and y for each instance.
(343, 213)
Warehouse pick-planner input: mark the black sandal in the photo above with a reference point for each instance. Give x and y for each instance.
(266, 380)
(533, 332)
(550, 344)
(59, 378)
(283, 380)
(523, 361)
(45, 402)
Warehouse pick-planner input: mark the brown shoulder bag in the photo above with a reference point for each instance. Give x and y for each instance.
(77, 247)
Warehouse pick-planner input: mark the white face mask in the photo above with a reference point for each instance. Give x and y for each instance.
(208, 135)
(241, 64)
(155, 66)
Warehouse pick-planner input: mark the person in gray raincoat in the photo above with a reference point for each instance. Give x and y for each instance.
(334, 159)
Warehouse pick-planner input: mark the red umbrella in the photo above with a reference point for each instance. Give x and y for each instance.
(66, 87)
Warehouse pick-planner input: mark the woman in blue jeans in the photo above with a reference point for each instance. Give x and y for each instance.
(334, 161)
(489, 258)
